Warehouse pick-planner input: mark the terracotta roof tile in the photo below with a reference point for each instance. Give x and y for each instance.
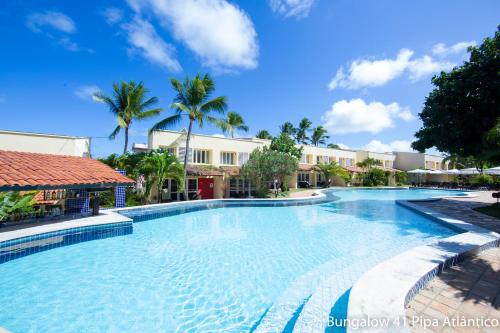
(20, 170)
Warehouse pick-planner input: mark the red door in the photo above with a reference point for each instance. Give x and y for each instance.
(206, 188)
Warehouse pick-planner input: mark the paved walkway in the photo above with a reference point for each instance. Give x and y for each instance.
(467, 291)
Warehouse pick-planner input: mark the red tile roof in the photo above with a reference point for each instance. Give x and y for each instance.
(24, 171)
(203, 170)
(308, 167)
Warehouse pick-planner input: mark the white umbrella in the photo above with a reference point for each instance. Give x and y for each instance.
(469, 171)
(453, 172)
(435, 172)
(493, 171)
(417, 171)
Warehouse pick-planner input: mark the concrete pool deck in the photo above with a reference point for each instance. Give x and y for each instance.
(469, 289)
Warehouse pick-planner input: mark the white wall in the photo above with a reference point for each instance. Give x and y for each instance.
(44, 143)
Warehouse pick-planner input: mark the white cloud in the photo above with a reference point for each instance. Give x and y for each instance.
(371, 73)
(442, 50)
(366, 73)
(54, 20)
(292, 8)
(425, 65)
(146, 41)
(357, 116)
(86, 92)
(219, 32)
(112, 15)
(397, 145)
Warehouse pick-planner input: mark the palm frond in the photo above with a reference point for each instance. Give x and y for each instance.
(218, 104)
(166, 123)
(113, 135)
(149, 113)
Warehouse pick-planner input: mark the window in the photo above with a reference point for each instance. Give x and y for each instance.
(242, 158)
(326, 159)
(349, 162)
(303, 177)
(192, 185)
(303, 159)
(227, 158)
(309, 159)
(201, 156)
(388, 164)
(319, 159)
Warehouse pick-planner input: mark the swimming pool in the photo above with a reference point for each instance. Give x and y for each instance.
(229, 269)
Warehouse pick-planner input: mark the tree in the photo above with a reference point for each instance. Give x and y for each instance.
(368, 163)
(333, 146)
(128, 103)
(193, 100)
(375, 177)
(287, 128)
(285, 144)
(464, 106)
(157, 166)
(331, 170)
(263, 134)
(265, 165)
(233, 122)
(319, 136)
(301, 131)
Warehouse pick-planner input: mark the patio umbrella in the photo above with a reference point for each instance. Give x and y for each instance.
(493, 171)
(418, 171)
(434, 172)
(469, 171)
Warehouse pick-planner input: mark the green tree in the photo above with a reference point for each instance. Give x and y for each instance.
(368, 163)
(193, 99)
(15, 204)
(464, 106)
(375, 177)
(319, 136)
(128, 103)
(301, 131)
(287, 128)
(285, 144)
(157, 166)
(264, 166)
(264, 134)
(333, 146)
(233, 122)
(331, 170)
(401, 178)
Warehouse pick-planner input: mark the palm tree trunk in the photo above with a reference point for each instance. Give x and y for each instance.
(126, 141)
(186, 197)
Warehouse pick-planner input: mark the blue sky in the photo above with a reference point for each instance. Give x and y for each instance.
(360, 68)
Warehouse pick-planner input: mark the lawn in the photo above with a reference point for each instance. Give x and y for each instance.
(492, 210)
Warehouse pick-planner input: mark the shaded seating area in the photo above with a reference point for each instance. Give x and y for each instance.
(60, 186)
(462, 179)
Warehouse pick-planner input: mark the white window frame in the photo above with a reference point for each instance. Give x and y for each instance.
(232, 158)
(201, 156)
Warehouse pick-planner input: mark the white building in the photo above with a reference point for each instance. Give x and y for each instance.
(409, 161)
(45, 143)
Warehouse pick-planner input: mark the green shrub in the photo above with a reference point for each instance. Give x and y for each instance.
(482, 179)
(401, 178)
(375, 177)
(17, 205)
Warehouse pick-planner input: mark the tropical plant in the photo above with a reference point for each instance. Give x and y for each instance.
(157, 166)
(460, 113)
(193, 100)
(287, 128)
(482, 179)
(128, 162)
(285, 144)
(331, 170)
(263, 134)
(401, 178)
(333, 146)
(233, 122)
(264, 166)
(375, 177)
(319, 136)
(128, 103)
(301, 131)
(13, 203)
(368, 163)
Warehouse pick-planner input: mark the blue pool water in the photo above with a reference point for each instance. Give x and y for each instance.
(219, 270)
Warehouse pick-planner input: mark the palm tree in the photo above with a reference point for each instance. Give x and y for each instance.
(192, 100)
(287, 128)
(264, 134)
(128, 103)
(331, 170)
(319, 135)
(301, 131)
(232, 123)
(157, 166)
(333, 145)
(368, 163)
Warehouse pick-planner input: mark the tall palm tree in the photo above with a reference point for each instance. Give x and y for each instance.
(319, 136)
(157, 166)
(233, 122)
(301, 131)
(128, 103)
(193, 100)
(287, 128)
(264, 134)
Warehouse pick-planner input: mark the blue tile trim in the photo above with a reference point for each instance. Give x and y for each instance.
(21, 247)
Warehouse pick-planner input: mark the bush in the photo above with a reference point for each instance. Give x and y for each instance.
(482, 179)
(375, 177)
(401, 178)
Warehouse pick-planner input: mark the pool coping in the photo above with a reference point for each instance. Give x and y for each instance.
(383, 292)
